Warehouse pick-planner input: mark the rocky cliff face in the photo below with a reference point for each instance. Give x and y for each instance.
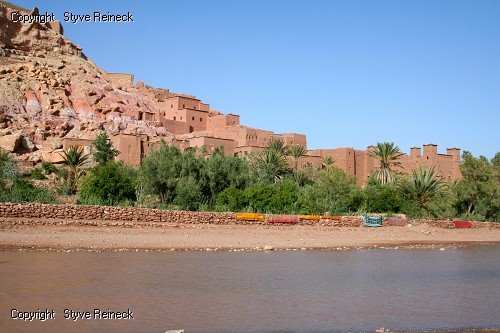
(49, 91)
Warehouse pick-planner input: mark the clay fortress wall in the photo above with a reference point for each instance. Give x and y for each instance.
(194, 124)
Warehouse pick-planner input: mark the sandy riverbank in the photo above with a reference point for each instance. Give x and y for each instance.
(225, 237)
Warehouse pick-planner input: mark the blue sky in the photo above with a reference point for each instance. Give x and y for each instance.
(345, 73)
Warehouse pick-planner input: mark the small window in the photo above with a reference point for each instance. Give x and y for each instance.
(201, 119)
(171, 106)
(181, 117)
(183, 106)
(192, 118)
(174, 118)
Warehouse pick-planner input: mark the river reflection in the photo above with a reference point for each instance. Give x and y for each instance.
(293, 291)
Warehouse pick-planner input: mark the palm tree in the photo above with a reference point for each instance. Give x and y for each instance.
(76, 159)
(302, 177)
(421, 186)
(277, 145)
(388, 155)
(297, 152)
(328, 161)
(273, 163)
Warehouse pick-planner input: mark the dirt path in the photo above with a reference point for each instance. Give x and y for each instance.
(210, 237)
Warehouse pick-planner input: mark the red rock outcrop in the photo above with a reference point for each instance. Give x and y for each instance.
(49, 91)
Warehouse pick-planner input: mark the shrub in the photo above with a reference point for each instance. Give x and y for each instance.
(259, 197)
(160, 172)
(37, 174)
(284, 197)
(188, 194)
(48, 168)
(23, 191)
(108, 184)
(333, 191)
(231, 199)
(8, 170)
(382, 198)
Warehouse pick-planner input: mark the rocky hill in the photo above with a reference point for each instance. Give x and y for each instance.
(50, 90)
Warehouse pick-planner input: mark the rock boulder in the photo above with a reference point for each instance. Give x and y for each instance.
(10, 143)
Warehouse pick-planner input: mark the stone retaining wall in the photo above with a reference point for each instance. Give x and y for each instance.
(345, 221)
(105, 213)
(95, 215)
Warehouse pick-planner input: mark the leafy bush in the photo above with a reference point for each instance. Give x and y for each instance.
(333, 191)
(259, 197)
(478, 193)
(8, 170)
(108, 184)
(23, 191)
(61, 181)
(442, 205)
(188, 194)
(37, 173)
(221, 172)
(160, 172)
(285, 195)
(231, 199)
(264, 198)
(48, 168)
(381, 198)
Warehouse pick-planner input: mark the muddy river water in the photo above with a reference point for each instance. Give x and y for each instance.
(279, 291)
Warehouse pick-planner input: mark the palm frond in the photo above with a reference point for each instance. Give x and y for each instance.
(297, 152)
(422, 185)
(388, 155)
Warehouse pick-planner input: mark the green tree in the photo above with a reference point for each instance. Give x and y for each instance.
(160, 172)
(381, 198)
(388, 156)
(333, 191)
(443, 203)
(259, 197)
(421, 187)
(188, 194)
(478, 192)
(232, 199)
(108, 184)
(104, 150)
(223, 171)
(284, 198)
(76, 160)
